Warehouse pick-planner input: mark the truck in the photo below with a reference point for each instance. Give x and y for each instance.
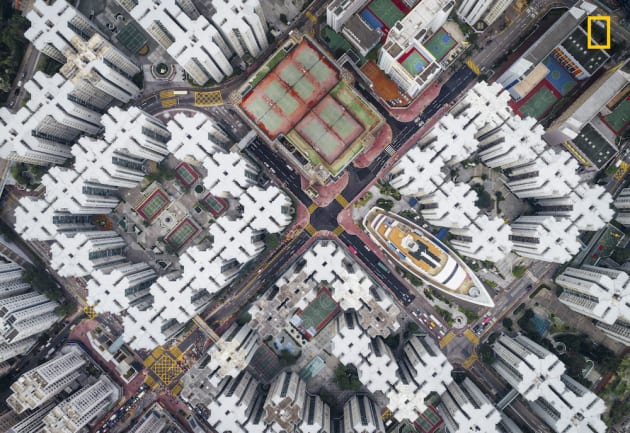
(383, 267)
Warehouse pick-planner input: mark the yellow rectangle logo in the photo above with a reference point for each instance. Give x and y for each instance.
(589, 23)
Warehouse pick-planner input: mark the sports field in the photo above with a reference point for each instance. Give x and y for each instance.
(153, 205)
(290, 90)
(440, 44)
(619, 118)
(304, 99)
(386, 11)
(428, 421)
(182, 233)
(132, 37)
(413, 62)
(558, 77)
(266, 363)
(216, 205)
(318, 313)
(540, 102)
(186, 174)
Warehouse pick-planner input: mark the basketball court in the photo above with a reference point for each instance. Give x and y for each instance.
(182, 233)
(413, 62)
(265, 363)
(558, 77)
(153, 205)
(132, 37)
(440, 44)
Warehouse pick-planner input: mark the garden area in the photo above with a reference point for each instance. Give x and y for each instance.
(12, 46)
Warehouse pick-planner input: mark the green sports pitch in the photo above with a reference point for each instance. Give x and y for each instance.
(153, 205)
(180, 235)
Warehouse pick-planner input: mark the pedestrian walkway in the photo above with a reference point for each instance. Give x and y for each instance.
(390, 150)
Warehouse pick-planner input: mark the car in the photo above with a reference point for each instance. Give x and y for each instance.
(352, 249)
(486, 320)
(528, 288)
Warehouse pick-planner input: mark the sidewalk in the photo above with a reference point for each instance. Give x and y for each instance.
(327, 193)
(418, 105)
(383, 139)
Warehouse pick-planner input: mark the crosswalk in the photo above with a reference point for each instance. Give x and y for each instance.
(470, 361)
(312, 208)
(447, 338)
(390, 150)
(471, 336)
(473, 66)
(342, 201)
(310, 229)
(338, 230)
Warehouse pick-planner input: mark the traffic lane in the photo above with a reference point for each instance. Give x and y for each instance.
(371, 261)
(259, 151)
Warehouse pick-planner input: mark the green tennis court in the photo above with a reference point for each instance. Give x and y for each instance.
(386, 11)
(186, 174)
(618, 119)
(216, 205)
(182, 233)
(539, 103)
(440, 44)
(153, 205)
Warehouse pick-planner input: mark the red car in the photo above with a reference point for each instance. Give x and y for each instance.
(352, 249)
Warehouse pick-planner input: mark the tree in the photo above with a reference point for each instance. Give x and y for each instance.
(347, 378)
(508, 323)
(385, 204)
(518, 271)
(272, 240)
(487, 354)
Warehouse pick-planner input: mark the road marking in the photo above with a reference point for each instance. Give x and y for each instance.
(166, 103)
(470, 361)
(390, 150)
(311, 17)
(338, 230)
(310, 229)
(471, 336)
(446, 339)
(621, 171)
(208, 99)
(89, 311)
(473, 66)
(312, 208)
(342, 200)
(165, 94)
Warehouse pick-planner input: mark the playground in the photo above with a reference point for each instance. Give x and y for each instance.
(440, 44)
(132, 37)
(265, 363)
(182, 233)
(153, 205)
(413, 62)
